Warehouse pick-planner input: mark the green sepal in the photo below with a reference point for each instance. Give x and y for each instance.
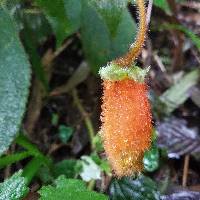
(114, 72)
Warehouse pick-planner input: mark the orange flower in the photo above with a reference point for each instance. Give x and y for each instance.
(126, 125)
(126, 114)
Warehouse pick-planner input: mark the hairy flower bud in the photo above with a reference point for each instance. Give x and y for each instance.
(126, 125)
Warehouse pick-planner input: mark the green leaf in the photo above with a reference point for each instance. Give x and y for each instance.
(95, 37)
(35, 30)
(99, 44)
(151, 159)
(45, 175)
(32, 168)
(69, 189)
(14, 80)
(65, 133)
(129, 189)
(13, 188)
(36, 23)
(69, 168)
(102, 163)
(179, 92)
(106, 7)
(163, 4)
(63, 15)
(97, 141)
(125, 35)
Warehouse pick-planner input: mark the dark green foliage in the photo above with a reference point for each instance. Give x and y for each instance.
(63, 15)
(99, 42)
(151, 159)
(163, 4)
(134, 189)
(64, 133)
(69, 168)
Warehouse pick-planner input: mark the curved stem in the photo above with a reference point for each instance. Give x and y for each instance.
(87, 119)
(128, 59)
(10, 159)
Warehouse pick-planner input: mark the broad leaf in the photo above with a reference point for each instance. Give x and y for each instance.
(69, 189)
(177, 138)
(138, 189)
(35, 23)
(106, 7)
(101, 44)
(13, 188)
(14, 80)
(63, 15)
(95, 37)
(124, 37)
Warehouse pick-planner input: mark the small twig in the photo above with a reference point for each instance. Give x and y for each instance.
(87, 119)
(159, 62)
(62, 48)
(185, 170)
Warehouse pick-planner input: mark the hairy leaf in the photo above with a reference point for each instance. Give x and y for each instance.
(70, 189)
(138, 189)
(13, 188)
(178, 138)
(14, 80)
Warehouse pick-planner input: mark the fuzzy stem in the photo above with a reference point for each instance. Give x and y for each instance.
(136, 48)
